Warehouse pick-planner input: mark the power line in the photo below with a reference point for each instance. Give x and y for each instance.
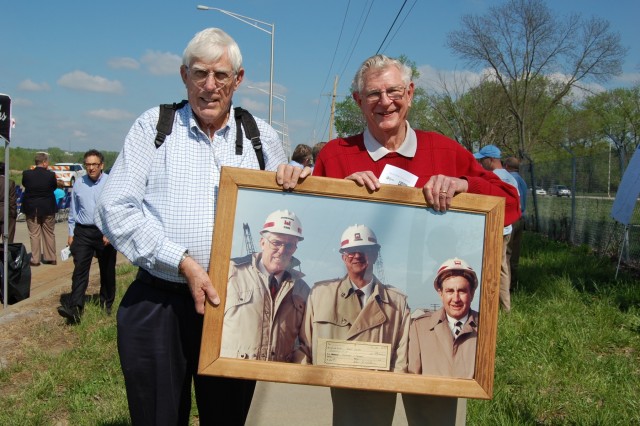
(335, 52)
(391, 27)
(401, 24)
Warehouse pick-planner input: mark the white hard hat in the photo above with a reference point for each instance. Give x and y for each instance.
(283, 222)
(358, 236)
(455, 266)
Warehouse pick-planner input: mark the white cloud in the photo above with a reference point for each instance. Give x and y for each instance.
(111, 114)
(32, 86)
(124, 63)
(252, 105)
(22, 102)
(458, 82)
(433, 80)
(79, 134)
(161, 63)
(628, 78)
(80, 80)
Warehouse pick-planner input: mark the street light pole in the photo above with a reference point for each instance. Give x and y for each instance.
(254, 23)
(282, 98)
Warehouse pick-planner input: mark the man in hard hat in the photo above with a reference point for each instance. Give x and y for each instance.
(264, 308)
(443, 343)
(358, 307)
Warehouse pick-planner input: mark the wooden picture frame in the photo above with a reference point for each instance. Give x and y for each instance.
(473, 221)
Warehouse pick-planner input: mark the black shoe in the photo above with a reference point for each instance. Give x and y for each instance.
(50, 262)
(71, 314)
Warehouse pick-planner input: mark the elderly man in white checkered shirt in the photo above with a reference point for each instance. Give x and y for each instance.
(158, 209)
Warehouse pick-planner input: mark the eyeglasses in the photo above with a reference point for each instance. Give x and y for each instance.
(200, 76)
(88, 165)
(277, 245)
(363, 251)
(393, 93)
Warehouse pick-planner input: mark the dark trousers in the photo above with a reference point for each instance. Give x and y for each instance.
(159, 334)
(426, 410)
(87, 243)
(352, 407)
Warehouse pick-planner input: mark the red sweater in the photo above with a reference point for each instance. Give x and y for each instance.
(436, 154)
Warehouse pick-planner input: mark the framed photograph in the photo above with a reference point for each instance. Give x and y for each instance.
(318, 223)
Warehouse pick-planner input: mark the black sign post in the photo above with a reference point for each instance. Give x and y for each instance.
(5, 133)
(5, 117)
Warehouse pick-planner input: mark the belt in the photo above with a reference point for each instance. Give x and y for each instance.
(86, 226)
(160, 284)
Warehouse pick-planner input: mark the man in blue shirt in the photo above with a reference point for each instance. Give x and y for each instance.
(489, 159)
(86, 241)
(158, 209)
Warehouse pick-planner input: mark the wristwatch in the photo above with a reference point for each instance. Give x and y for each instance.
(184, 256)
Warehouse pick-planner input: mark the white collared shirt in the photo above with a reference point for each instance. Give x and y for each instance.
(452, 323)
(366, 290)
(160, 202)
(262, 269)
(376, 151)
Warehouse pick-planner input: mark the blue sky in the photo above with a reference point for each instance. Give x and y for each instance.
(79, 73)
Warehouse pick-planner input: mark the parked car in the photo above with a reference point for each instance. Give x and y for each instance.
(560, 191)
(68, 173)
(540, 191)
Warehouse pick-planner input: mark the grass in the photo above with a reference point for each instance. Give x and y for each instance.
(567, 354)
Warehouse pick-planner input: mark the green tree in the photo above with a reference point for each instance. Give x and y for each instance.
(472, 115)
(616, 117)
(522, 41)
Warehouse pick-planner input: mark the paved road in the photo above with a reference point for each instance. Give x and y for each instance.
(273, 403)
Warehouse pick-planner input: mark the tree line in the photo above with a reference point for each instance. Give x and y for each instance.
(533, 98)
(23, 158)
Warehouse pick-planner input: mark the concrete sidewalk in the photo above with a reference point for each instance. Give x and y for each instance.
(273, 404)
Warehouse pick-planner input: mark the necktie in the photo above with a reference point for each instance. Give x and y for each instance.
(359, 295)
(457, 328)
(273, 286)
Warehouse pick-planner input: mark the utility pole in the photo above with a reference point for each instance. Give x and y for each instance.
(333, 107)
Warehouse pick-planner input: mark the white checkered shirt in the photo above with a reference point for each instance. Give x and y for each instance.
(160, 202)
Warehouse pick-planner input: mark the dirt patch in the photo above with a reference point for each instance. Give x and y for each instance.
(27, 327)
(34, 323)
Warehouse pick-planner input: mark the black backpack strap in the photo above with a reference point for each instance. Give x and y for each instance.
(252, 132)
(165, 120)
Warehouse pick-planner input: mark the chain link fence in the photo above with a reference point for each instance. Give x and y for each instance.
(584, 216)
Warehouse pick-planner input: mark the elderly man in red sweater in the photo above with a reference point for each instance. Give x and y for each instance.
(383, 90)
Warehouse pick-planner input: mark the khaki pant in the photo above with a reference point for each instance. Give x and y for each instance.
(505, 276)
(41, 231)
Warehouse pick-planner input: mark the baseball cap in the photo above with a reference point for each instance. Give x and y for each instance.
(490, 151)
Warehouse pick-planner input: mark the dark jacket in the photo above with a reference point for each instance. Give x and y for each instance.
(13, 199)
(38, 198)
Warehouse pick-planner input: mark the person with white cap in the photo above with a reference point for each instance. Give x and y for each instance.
(358, 307)
(489, 159)
(443, 343)
(264, 308)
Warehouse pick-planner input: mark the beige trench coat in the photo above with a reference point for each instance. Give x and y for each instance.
(255, 326)
(432, 350)
(333, 312)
